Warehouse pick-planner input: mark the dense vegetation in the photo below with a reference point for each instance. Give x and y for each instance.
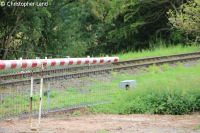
(160, 90)
(156, 93)
(158, 51)
(94, 27)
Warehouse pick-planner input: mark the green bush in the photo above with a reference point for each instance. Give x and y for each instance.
(155, 102)
(166, 91)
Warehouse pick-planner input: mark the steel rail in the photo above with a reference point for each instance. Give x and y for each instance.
(103, 70)
(158, 58)
(87, 67)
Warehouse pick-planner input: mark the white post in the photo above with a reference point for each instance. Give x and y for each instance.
(41, 87)
(31, 94)
(88, 57)
(40, 107)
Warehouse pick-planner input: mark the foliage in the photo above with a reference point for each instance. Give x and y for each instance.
(158, 51)
(63, 28)
(20, 30)
(157, 93)
(89, 27)
(136, 24)
(162, 90)
(187, 18)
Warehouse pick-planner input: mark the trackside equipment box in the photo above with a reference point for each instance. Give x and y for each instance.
(127, 84)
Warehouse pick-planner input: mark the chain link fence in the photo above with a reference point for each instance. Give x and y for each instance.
(23, 91)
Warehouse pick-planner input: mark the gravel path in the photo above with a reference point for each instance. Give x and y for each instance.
(102, 123)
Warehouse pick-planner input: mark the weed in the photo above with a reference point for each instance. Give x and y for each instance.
(171, 91)
(159, 51)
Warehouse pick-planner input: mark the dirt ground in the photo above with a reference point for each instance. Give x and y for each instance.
(103, 123)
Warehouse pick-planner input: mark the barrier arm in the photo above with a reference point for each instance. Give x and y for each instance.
(38, 63)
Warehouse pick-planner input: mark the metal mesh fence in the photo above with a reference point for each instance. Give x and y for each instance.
(63, 88)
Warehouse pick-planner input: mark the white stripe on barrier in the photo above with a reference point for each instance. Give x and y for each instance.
(33, 63)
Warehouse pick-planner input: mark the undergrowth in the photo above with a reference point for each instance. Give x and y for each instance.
(162, 90)
(159, 51)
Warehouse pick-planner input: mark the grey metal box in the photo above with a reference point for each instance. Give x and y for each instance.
(127, 84)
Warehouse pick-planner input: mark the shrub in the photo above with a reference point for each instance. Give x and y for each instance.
(170, 91)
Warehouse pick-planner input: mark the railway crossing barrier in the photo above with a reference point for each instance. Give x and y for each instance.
(37, 86)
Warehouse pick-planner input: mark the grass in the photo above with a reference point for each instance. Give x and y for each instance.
(197, 128)
(162, 90)
(18, 103)
(102, 131)
(160, 51)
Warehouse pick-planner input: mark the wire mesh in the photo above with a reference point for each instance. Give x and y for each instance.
(63, 88)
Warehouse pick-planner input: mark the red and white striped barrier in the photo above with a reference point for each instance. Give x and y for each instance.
(33, 63)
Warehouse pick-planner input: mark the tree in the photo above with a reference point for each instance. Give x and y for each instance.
(82, 27)
(9, 21)
(187, 19)
(20, 30)
(136, 24)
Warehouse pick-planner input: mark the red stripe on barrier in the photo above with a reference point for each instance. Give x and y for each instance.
(101, 60)
(78, 62)
(13, 65)
(2, 65)
(94, 61)
(62, 62)
(34, 64)
(45, 63)
(24, 64)
(71, 62)
(87, 61)
(116, 60)
(53, 63)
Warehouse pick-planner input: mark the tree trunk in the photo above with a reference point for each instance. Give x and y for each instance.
(9, 38)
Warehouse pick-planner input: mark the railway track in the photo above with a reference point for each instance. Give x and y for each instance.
(77, 72)
(76, 69)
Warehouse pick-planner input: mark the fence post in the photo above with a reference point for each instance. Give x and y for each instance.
(89, 63)
(41, 87)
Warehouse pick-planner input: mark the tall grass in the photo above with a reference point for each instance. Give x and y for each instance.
(159, 51)
(160, 91)
(71, 97)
